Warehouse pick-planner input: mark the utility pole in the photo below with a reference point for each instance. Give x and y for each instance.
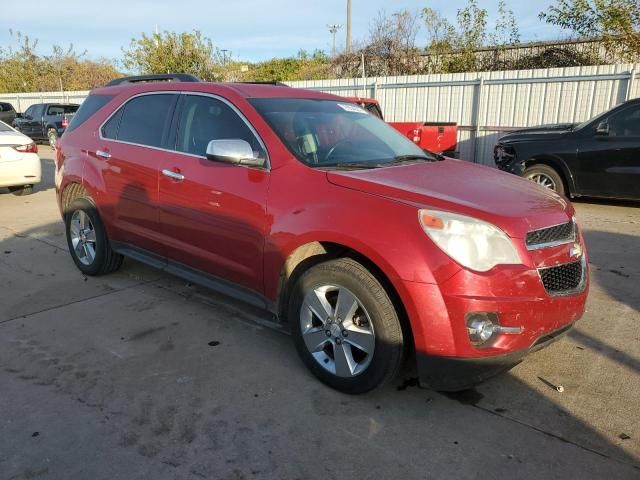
(224, 56)
(348, 45)
(333, 29)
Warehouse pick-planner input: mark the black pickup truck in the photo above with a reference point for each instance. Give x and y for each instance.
(45, 121)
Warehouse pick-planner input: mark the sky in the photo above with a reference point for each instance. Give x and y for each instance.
(251, 29)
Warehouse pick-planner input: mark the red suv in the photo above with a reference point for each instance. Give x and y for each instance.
(304, 204)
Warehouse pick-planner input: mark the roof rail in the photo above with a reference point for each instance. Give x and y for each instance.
(279, 84)
(169, 77)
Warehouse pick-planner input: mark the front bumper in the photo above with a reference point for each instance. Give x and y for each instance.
(451, 374)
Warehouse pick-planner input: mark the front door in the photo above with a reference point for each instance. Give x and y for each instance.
(609, 162)
(213, 214)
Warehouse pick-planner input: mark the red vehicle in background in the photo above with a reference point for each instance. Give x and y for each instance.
(436, 137)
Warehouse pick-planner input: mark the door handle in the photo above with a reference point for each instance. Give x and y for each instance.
(103, 154)
(173, 175)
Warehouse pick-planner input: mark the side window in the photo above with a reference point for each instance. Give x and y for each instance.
(145, 120)
(625, 123)
(29, 111)
(37, 112)
(2, 107)
(203, 119)
(110, 129)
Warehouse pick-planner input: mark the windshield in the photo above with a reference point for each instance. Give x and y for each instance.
(326, 133)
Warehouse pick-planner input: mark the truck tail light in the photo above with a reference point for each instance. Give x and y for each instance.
(29, 148)
(416, 135)
(65, 122)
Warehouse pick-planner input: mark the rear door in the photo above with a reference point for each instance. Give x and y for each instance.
(214, 214)
(610, 163)
(128, 153)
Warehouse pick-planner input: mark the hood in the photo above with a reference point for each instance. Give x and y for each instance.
(513, 204)
(546, 132)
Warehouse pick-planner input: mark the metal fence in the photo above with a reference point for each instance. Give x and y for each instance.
(484, 105)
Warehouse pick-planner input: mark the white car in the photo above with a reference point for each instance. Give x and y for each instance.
(20, 167)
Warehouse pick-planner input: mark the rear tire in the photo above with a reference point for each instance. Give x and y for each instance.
(345, 326)
(52, 135)
(545, 176)
(22, 190)
(87, 239)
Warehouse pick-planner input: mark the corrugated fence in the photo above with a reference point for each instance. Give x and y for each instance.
(484, 105)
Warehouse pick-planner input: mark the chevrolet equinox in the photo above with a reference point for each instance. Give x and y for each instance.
(306, 205)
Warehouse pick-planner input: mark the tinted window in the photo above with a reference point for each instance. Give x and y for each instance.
(203, 119)
(30, 111)
(90, 106)
(625, 123)
(146, 119)
(62, 109)
(110, 129)
(2, 107)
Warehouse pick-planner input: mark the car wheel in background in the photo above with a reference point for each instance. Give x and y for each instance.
(545, 176)
(53, 137)
(22, 190)
(345, 326)
(87, 239)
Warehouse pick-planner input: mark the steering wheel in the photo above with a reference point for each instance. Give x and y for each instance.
(339, 144)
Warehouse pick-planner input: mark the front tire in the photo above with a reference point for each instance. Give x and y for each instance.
(22, 190)
(345, 326)
(545, 176)
(87, 239)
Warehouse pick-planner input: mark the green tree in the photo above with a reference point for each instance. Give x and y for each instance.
(23, 69)
(616, 22)
(170, 52)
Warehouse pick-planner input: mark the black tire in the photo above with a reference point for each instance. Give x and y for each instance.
(22, 190)
(545, 171)
(106, 260)
(388, 351)
(52, 135)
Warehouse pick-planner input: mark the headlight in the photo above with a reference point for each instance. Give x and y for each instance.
(472, 243)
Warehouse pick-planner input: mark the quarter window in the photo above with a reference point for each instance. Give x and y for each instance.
(203, 119)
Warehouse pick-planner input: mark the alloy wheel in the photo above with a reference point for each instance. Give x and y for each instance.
(544, 180)
(83, 237)
(337, 330)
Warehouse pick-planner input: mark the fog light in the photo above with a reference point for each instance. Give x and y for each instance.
(481, 328)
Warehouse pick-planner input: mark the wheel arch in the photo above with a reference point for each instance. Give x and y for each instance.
(558, 165)
(314, 252)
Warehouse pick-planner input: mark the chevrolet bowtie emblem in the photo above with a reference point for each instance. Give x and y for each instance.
(575, 251)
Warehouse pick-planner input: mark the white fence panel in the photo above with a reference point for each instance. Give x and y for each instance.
(485, 105)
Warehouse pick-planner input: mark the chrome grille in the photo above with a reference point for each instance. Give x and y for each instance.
(563, 279)
(545, 237)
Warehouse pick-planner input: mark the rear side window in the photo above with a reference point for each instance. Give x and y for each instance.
(90, 106)
(62, 109)
(145, 119)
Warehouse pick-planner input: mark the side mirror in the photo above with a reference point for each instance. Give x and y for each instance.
(602, 128)
(234, 151)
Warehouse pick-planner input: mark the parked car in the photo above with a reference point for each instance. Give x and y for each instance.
(437, 137)
(7, 113)
(46, 121)
(304, 204)
(597, 158)
(20, 166)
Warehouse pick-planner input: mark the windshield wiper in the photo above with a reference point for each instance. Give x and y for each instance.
(351, 165)
(412, 158)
